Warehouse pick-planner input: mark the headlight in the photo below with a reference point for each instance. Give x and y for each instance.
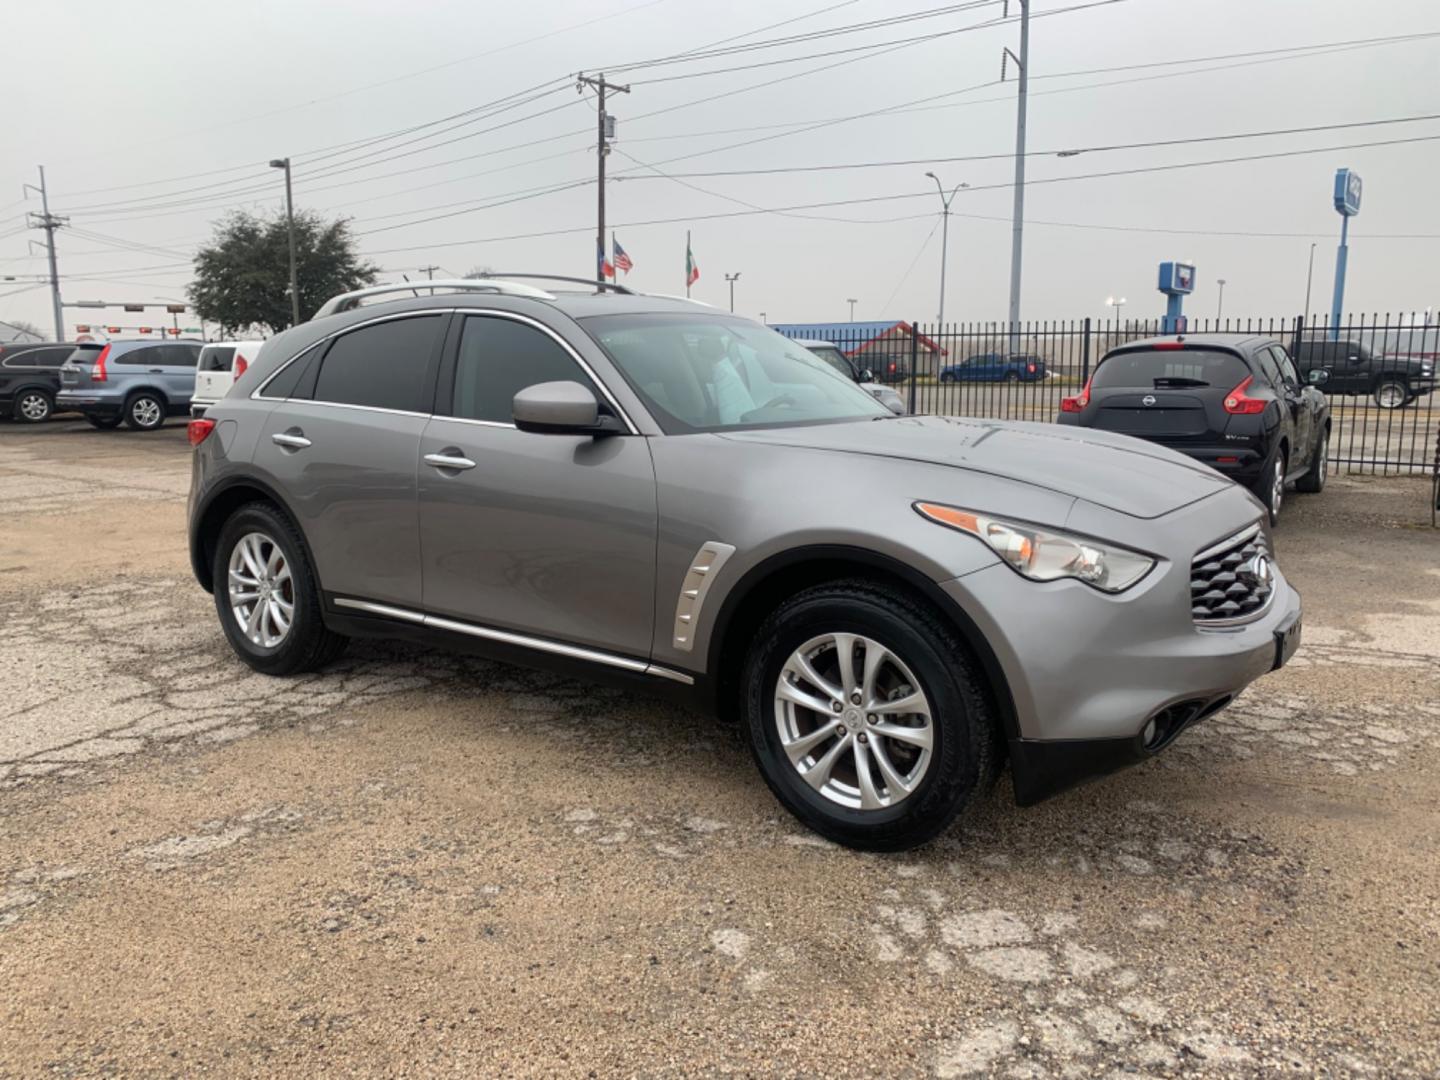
(1044, 554)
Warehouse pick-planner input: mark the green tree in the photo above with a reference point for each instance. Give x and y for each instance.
(242, 277)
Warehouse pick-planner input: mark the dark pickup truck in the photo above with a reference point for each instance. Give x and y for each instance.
(1394, 380)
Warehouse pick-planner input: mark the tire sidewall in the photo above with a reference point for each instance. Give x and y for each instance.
(279, 658)
(953, 773)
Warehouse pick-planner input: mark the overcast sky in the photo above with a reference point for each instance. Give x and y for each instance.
(150, 94)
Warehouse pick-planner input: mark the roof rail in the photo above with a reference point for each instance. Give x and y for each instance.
(613, 286)
(349, 300)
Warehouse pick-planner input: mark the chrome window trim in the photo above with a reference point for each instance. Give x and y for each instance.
(558, 648)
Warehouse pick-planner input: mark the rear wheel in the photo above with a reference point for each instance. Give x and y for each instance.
(104, 423)
(1391, 393)
(866, 719)
(267, 597)
(144, 412)
(1314, 479)
(945, 377)
(34, 406)
(1012, 376)
(1270, 488)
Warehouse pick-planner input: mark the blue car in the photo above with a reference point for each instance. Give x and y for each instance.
(995, 367)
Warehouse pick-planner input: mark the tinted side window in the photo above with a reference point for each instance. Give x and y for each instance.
(216, 357)
(383, 366)
(50, 357)
(499, 358)
(1287, 366)
(145, 356)
(1268, 369)
(285, 384)
(178, 355)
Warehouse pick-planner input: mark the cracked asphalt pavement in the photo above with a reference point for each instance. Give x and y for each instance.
(416, 862)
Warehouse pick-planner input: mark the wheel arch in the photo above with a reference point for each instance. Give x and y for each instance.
(217, 508)
(132, 392)
(767, 584)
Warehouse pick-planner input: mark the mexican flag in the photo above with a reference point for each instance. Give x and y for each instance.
(692, 270)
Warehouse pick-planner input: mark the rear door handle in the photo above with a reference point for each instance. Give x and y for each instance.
(157, 371)
(291, 439)
(449, 458)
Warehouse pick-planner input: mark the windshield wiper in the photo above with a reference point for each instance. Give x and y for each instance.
(1177, 380)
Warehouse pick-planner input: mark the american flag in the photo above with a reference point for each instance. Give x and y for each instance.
(622, 261)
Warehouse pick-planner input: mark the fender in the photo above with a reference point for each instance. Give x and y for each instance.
(199, 564)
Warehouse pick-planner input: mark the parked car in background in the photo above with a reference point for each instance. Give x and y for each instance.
(649, 491)
(220, 364)
(1352, 366)
(30, 380)
(140, 382)
(1236, 403)
(830, 353)
(995, 367)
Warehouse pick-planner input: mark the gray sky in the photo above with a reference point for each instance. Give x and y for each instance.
(142, 94)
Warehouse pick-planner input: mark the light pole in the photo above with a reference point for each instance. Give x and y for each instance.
(852, 302)
(945, 201)
(732, 278)
(1220, 304)
(763, 319)
(284, 163)
(1309, 277)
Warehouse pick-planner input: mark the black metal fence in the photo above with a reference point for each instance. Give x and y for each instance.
(1380, 372)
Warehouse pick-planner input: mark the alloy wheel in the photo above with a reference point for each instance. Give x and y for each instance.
(34, 407)
(1390, 396)
(1277, 486)
(261, 590)
(146, 412)
(854, 721)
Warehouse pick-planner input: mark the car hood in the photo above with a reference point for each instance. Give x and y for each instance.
(1114, 471)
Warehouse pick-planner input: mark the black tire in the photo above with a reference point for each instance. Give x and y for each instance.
(145, 411)
(33, 406)
(1012, 376)
(946, 377)
(1313, 482)
(966, 750)
(103, 423)
(1391, 393)
(1267, 490)
(309, 644)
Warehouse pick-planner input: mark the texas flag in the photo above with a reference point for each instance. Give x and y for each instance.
(622, 261)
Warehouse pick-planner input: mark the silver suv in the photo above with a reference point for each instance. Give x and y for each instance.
(140, 382)
(645, 490)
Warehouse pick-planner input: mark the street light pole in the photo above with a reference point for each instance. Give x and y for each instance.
(1220, 304)
(284, 163)
(1309, 277)
(945, 201)
(732, 278)
(852, 302)
(1116, 302)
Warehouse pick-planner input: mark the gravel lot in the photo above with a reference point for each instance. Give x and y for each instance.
(423, 863)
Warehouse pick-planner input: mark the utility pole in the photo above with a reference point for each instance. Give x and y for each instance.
(429, 272)
(945, 201)
(606, 132)
(732, 278)
(1309, 277)
(1018, 228)
(852, 302)
(284, 163)
(49, 222)
(1220, 304)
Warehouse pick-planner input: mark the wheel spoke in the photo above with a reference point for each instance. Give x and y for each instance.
(875, 656)
(253, 621)
(915, 736)
(790, 692)
(243, 597)
(801, 665)
(251, 556)
(869, 797)
(237, 578)
(277, 618)
(799, 749)
(819, 773)
(895, 784)
(275, 561)
(845, 655)
(912, 704)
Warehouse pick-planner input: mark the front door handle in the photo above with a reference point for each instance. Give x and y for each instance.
(157, 371)
(449, 458)
(292, 440)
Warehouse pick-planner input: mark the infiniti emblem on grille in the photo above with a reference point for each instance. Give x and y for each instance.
(1255, 571)
(1148, 400)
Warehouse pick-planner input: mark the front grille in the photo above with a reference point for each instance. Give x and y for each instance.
(1224, 583)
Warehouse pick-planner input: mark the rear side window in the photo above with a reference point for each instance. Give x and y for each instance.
(84, 354)
(145, 356)
(382, 366)
(36, 358)
(216, 357)
(499, 358)
(1268, 368)
(178, 355)
(1286, 365)
(1191, 367)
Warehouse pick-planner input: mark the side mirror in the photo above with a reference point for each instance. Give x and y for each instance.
(1319, 376)
(867, 375)
(560, 408)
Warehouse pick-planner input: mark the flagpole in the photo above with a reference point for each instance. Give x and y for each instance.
(687, 264)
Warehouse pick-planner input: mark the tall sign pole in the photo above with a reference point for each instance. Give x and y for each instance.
(605, 132)
(1347, 204)
(1017, 240)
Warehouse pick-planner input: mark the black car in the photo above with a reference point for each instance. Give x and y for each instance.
(1235, 403)
(30, 378)
(1393, 379)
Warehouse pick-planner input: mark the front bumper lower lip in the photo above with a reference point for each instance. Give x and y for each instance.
(1041, 768)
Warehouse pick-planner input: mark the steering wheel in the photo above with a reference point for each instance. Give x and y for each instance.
(773, 403)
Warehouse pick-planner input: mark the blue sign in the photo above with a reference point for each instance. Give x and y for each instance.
(1347, 192)
(1177, 278)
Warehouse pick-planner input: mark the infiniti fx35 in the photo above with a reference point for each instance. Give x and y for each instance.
(644, 489)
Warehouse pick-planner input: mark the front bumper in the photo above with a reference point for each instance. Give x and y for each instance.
(1087, 671)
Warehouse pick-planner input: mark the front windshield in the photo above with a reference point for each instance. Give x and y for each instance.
(703, 372)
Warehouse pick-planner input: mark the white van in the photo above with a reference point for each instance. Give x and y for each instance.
(220, 364)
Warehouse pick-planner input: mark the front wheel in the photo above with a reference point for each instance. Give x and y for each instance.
(267, 597)
(144, 412)
(1391, 394)
(1012, 376)
(865, 716)
(34, 407)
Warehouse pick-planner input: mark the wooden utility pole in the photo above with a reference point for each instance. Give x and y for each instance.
(605, 126)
